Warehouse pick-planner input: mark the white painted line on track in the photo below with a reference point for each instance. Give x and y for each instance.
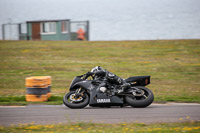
(154, 104)
(12, 106)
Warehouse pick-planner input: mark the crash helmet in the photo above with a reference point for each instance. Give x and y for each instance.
(97, 69)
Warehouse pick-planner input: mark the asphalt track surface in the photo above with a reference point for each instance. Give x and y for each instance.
(52, 114)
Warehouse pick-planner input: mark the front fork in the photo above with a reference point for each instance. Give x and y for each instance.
(78, 93)
(78, 90)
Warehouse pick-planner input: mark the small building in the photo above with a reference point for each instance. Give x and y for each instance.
(46, 30)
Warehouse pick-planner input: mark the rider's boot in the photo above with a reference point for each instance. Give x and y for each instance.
(123, 87)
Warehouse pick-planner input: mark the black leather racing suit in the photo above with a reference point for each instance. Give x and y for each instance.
(110, 77)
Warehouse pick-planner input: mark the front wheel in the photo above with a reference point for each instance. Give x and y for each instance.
(72, 101)
(140, 101)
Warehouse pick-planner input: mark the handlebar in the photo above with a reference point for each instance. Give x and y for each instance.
(88, 74)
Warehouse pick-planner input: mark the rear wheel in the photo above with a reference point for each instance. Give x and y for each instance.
(144, 99)
(71, 100)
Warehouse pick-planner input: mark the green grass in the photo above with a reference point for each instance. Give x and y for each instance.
(189, 127)
(174, 65)
(20, 100)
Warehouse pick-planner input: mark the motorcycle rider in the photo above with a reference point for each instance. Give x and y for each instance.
(99, 72)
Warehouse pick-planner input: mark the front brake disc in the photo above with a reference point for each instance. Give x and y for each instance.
(72, 98)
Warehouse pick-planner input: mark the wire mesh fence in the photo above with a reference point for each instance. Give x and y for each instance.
(19, 31)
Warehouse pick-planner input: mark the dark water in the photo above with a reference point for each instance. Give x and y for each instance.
(114, 19)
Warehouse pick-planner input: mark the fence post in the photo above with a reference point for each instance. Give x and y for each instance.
(19, 31)
(69, 27)
(3, 32)
(88, 28)
(27, 30)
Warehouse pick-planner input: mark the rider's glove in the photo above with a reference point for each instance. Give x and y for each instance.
(89, 73)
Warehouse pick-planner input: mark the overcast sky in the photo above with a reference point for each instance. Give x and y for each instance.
(114, 19)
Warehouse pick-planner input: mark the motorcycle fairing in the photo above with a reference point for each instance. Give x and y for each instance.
(139, 80)
(83, 84)
(101, 99)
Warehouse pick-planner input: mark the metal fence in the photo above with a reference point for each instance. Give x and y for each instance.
(18, 31)
(76, 25)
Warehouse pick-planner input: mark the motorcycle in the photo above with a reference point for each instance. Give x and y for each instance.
(100, 93)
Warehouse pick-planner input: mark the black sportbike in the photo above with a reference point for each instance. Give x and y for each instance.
(99, 92)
